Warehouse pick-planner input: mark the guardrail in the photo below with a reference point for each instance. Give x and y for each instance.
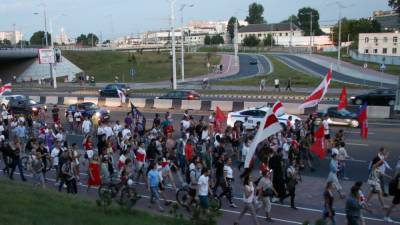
(374, 112)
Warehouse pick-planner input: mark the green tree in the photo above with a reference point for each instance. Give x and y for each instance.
(92, 39)
(268, 40)
(256, 12)
(231, 28)
(23, 43)
(217, 39)
(38, 38)
(395, 4)
(207, 40)
(251, 41)
(293, 18)
(352, 28)
(304, 21)
(82, 39)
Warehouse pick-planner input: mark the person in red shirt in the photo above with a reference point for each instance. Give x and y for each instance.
(189, 151)
(94, 173)
(88, 146)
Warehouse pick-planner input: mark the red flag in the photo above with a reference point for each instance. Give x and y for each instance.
(278, 109)
(220, 118)
(319, 145)
(342, 99)
(318, 94)
(363, 120)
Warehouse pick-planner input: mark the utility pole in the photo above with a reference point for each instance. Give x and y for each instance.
(172, 5)
(291, 35)
(311, 32)
(340, 36)
(348, 41)
(182, 43)
(236, 43)
(52, 48)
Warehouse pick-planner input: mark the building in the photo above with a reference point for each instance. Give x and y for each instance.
(277, 31)
(13, 36)
(389, 20)
(63, 39)
(159, 37)
(304, 41)
(379, 44)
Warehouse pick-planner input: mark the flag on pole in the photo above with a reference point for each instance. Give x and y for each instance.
(342, 99)
(5, 88)
(318, 94)
(363, 120)
(269, 126)
(278, 108)
(121, 96)
(319, 145)
(219, 119)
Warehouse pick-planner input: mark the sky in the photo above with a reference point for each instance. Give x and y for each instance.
(115, 18)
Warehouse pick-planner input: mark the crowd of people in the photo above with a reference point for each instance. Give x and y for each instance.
(200, 154)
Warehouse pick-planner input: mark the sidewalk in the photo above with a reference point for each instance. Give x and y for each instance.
(351, 70)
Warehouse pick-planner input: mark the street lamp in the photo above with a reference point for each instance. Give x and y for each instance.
(311, 29)
(183, 6)
(172, 18)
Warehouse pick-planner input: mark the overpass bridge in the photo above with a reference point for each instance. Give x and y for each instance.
(23, 63)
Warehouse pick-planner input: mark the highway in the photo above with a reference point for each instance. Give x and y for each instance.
(309, 192)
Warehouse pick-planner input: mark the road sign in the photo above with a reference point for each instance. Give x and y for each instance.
(46, 56)
(132, 72)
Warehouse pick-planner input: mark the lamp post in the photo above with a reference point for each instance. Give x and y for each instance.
(311, 29)
(172, 18)
(183, 6)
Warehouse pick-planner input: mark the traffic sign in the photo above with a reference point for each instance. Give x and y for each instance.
(132, 72)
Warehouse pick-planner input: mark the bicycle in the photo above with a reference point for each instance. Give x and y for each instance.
(26, 162)
(182, 197)
(125, 194)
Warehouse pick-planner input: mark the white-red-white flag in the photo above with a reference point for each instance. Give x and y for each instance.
(318, 94)
(269, 126)
(5, 88)
(278, 108)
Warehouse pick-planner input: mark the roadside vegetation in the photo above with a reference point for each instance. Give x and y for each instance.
(24, 204)
(149, 66)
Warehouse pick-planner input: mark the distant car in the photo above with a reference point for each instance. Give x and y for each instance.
(249, 117)
(181, 94)
(253, 62)
(25, 106)
(89, 109)
(342, 117)
(111, 90)
(376, 97)
(5, 99)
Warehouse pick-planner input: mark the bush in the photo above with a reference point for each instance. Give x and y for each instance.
(251, 41)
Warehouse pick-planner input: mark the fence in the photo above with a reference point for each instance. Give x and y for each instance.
(389, 60)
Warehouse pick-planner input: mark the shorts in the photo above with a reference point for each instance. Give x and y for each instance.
(327, 136)
(266, 201)
(204, 202)
(335, 181)
(276, 85)
(192, 192)
(396, 199)
(39, 178)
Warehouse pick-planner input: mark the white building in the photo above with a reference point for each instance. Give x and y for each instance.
(277, 30)
(379, 43)
(304, 41)
(13, 36)
(159, 37)
(63, 39)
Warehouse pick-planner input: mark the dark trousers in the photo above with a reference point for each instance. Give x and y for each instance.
(227, 191)
(17, 163)
(71, 186)
(292, 194)
(219, 182)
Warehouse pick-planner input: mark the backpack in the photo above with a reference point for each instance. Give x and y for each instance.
(393, 186)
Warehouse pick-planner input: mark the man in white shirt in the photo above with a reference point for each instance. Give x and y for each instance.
(327, 134)
(204, 189)
(126, 133)
(276, 82)
(55, 157)
(117, 128)
(108, 131)
(86, 126)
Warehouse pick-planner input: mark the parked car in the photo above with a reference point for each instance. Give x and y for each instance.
(376, 97)
(5, 99)
(249, 117)
(181, 94)
(25, 106)
(111, 90)
(253, 62)
(89, 109)
(342, 117)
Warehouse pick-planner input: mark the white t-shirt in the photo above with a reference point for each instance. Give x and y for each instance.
(108, 131)
(54, 155)
(185, 124)
(60, 137)
(4, 114)
(245, 150)
(126, 133)
(249, 188)
(70, 117)
(204, 135)
(78, 116)
(86, 125)
(203, 185)
(276, 81)
(229, 172)
(100, 131)
(326, 127)
(117, 128)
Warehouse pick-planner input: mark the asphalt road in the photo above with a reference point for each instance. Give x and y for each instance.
(321, 70)
(309, 191)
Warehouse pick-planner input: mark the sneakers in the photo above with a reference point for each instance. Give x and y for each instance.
(232, 205)
(388, 219)
(269, 220)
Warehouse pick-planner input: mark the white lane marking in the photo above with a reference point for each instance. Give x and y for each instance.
(385, 124)
(358, 132)
(357, 144)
